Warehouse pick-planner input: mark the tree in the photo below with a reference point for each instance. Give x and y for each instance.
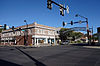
(65, 33)
(78, 35)
(1, 30)
(95, 37)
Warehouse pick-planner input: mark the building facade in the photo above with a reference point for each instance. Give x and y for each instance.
(32, 34)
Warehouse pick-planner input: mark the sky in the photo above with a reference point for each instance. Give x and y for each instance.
(14, 12)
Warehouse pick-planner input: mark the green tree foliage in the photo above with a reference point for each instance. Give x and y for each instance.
(69, 33)
(1, 30)
(63, 36)
(95, 37)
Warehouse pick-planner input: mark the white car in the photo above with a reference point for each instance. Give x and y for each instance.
(65, 42)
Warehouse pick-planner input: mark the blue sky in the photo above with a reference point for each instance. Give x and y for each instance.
(14, 12)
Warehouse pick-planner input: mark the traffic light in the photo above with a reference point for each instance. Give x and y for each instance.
(71, 22)
(24, 20)
(64, 23)
(5, 26)
(49, 4)
(61, 10)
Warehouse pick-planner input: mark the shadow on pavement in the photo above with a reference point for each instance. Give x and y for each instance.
(7, 63)
(37, 63)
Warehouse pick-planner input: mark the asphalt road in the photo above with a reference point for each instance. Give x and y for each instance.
(50, 56)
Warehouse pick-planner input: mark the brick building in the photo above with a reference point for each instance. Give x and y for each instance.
(35, 34)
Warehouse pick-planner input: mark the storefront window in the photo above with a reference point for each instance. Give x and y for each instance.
(41, 40)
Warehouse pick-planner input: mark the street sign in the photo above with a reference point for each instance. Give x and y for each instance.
(79, 28)
(23, 30)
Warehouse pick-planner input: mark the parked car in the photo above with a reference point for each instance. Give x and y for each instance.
(65, 42)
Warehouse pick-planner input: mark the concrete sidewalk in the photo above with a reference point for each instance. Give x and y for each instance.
(95, 47)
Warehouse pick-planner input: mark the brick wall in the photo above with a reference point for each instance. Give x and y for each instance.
(20, 40)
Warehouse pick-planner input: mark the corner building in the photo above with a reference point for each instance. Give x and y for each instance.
(33, 34)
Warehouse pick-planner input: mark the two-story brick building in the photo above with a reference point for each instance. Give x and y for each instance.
(35, 34)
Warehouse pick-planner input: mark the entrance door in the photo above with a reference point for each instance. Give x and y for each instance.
(33, 41)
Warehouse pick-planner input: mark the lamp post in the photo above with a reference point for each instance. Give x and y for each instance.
(26, 33)
(86, 26)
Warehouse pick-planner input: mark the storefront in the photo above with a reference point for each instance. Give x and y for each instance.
(37, 35)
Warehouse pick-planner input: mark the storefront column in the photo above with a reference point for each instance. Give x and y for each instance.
(46, 40)
(15, 41)
(35, 41)
(4, 41)
(50, 42)
(54, 41)
(8, 41)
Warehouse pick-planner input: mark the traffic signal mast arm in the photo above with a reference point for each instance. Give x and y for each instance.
(64, 23)
(58, 5)
(79, 22)
(80, 16)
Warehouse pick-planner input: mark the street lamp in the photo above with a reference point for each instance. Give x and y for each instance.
(26, 42)
(77, 15)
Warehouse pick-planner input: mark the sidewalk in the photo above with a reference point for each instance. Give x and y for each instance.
(95, 47)
(28, 46)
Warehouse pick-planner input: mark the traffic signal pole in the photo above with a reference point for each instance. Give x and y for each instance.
(87, 27)
(87, 31)
(89, 41)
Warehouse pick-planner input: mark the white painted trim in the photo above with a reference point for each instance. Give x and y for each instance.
(44, 27)
(37, 36)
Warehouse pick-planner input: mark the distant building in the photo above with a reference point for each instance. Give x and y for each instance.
(98, 34)
(0, 38)
(36, 35)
